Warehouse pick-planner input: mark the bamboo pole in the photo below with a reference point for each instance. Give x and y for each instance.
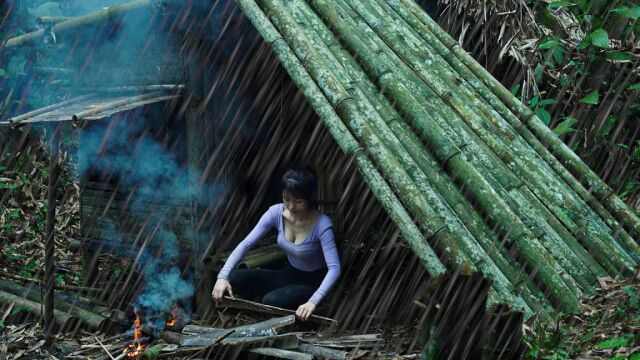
(61, 319)
(92, 320)
(15, 121)
(49, 246)
(345, 140)
(459, 97)
(583, 202)
(427, 164)
(73, 23)
(565, 255)
(449, 155)
(546, 137)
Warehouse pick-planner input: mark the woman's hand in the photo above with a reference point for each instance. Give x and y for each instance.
(305, 310)
(219, 288)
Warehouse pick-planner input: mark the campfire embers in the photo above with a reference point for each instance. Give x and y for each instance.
(135, 349)
(152, 323)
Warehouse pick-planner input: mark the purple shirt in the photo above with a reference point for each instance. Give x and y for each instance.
(316, 251)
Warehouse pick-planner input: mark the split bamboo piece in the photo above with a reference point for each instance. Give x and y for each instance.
(545, 136)
(345, 140)
(449, 155)
(73, 23)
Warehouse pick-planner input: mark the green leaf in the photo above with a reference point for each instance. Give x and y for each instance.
(608, 125)
(565, 126)
(546, 102)
(635, 86)
(59, 279)
(600, 38)
(635, 356)
(515, 89)
(633, 13)
(619, 56)
(557, 4)
(544, 116)
(2, 72)
(2, 325)
(620, 10)
(534, 101)
(549, 43)
(612, 343)
(593, 98)
(537, 72)
(14, 214)
(558, 55)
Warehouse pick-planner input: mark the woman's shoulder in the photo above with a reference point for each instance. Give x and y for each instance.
(324, 221)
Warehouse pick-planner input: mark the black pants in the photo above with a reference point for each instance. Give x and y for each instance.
(286, 288)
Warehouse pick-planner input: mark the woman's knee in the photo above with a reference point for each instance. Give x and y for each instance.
(239, 277)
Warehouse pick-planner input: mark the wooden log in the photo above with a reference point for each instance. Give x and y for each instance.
(90, 319)
(112, 105)
(323, 352)
(365, 341)
(15, 121)
(192, 329)
(171, 337)
(281, 354)
(61, 319)
(236, 303)
(205, 338)
(52, 19)
(264, 328)
(142, 88)
(284, 341)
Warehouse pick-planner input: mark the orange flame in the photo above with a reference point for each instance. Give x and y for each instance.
(174, 317)
(134, 350)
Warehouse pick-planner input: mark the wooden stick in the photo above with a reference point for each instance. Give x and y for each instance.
(104, 348)
(282, 354)
(323, 352)
(236, 303)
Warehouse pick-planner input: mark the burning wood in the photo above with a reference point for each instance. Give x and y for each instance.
(135, 349)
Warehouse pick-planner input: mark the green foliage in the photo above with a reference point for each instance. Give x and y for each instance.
(558, 4)
(593, 98)
(599, 38)
(565, 126)
(612, 343)
(2, 325)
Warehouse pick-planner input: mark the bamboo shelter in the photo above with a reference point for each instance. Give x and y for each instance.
(470, 176)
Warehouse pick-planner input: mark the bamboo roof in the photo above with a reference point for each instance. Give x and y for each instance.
(92, 106)
(471, 177)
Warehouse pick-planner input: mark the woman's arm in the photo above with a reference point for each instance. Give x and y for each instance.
(268, 221)
(330, 251)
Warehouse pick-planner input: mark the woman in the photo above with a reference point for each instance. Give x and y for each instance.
(305, 235)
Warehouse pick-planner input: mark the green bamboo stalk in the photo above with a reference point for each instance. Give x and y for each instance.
(554, 145)
(567, 251)
(449, 155)
(628, 243)
(345, 140)
(471, 219)
(373, 132)
(433, 76)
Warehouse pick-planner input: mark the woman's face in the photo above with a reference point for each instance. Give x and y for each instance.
(294, 205)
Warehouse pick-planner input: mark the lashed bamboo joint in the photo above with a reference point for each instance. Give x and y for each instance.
(459, 164)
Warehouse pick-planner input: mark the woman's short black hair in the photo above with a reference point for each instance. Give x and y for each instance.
(301, 182)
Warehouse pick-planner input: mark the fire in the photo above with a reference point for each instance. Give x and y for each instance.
(134, 350)
(174, 317)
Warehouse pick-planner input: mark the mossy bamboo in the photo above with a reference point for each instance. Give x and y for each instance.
(449, 155)
(345, 140)
(551, 142)
(427, 164)
(564, 250)
(399, 11)
(548, 190)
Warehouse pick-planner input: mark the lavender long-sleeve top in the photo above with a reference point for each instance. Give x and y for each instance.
(313, 253)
